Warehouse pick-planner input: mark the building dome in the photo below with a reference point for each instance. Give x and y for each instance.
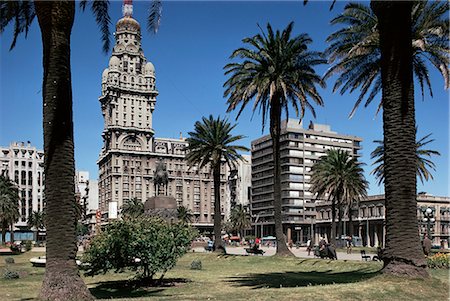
(149, 69)
(105, 75)
(128, 23)
(114, 63)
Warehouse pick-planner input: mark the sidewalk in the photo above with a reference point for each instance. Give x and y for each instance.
(300, 252)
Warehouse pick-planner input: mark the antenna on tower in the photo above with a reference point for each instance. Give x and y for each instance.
(127, 8)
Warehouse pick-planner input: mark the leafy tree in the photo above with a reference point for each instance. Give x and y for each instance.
(340, 178)
(184, 215)
(240, 219)
(145, 245)
(36, 221)
(211, 144)
(132, 208)
(9, 206)
(423, 163)
(355, 55)
(276, 70)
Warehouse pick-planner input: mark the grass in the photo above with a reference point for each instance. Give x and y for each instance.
(246, 278)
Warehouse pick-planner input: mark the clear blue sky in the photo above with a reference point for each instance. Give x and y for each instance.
(189, 51)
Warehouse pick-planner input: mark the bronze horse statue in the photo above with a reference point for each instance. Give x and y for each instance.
(160, 177)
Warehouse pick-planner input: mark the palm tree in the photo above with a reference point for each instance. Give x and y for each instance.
(423, 163)
(403, 253)
(387, 56)
(9, 206)
(277, 71)
(354, 50)
(62, 280)
(211, 144)
(240, 219)
(184, 215)
(340, 178)
(36, 221)
(132, 208)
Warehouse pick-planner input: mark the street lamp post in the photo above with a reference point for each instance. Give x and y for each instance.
(429, 219)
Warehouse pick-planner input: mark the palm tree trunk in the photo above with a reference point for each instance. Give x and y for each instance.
(11, 235)
(275, 133)
(218, 246)
(350, 221)
(4, 228)
(340, 222)
(403, 255)
(332, 239)
(62, 280)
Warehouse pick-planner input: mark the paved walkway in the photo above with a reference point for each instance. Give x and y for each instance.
(300, 252)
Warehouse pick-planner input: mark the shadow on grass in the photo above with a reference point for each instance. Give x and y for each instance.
(132, 288)
(298, 279)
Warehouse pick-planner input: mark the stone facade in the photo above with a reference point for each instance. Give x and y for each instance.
(368, 219)
(130, 152)
(24, 164)
(300, 149)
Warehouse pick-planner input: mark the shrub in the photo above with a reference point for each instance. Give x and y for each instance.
(439, 261)
(196, 264)
(145, 245)
(28, 245)
(11, 275)
(9, 260)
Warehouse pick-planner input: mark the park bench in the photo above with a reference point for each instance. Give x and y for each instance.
(254, 251)
(364, 256)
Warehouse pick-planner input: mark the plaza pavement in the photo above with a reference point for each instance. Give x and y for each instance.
(269, 251)
(300, 252)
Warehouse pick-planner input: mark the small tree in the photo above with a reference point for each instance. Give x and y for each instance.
(145, 245)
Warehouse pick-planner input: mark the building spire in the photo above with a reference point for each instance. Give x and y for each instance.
(127, 8)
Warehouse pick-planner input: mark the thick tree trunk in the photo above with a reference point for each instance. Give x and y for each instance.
(62, 280)
(332, 239)
(4, 234)
(218, 245)
(403, 254)
(275, 133)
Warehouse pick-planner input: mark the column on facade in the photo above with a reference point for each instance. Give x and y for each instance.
(375, 236)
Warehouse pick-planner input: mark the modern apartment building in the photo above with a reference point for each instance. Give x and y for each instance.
(130, 152)
(300, 149)
(23, 164)
(368, 220)
(240, 182)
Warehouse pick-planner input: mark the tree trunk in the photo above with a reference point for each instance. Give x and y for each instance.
(340, 222)
(62, 280)
(11, 233)
(350, 221)
(332, 239)
(403, 254)
(218, 245)
(4, 228)
(275, 133)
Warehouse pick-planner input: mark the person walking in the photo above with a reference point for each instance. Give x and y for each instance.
(426, 244)
(308, 246)
(349, 244)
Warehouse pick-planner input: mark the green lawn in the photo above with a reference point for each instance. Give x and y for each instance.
(247, 278)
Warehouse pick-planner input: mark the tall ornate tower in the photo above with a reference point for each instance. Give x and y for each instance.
(127, 101)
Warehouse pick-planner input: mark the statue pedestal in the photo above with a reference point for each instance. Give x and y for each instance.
(162, 206)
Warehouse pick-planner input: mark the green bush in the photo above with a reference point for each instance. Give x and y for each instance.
(196, 264)
(11, 275)
(145, 245)
(9, 260)
(28, 245)
(439, 261)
